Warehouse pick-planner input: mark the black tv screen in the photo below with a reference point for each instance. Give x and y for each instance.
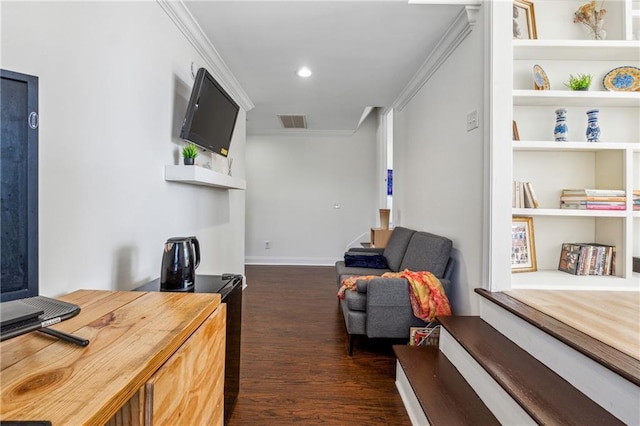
(211, 115)
(18, 186)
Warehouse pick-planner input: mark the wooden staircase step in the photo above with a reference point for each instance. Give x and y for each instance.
(445, 397)
(615, 360)
(543, 394)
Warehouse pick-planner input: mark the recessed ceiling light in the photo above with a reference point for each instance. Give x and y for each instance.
(304, 72)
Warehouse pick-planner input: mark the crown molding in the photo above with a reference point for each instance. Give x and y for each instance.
(183, 19)
(458, 31)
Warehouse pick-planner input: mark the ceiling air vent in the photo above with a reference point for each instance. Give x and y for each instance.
(293, 121)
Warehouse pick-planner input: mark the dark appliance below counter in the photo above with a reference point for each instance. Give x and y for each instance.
(230, 289)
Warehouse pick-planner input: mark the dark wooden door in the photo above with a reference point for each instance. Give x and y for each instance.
(18, 185)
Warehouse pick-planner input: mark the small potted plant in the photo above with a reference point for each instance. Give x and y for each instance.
(189, 152)
(579, 82)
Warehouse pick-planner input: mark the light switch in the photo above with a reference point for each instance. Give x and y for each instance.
(472, 120)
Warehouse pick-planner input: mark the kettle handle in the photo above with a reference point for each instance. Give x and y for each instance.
(195, 242)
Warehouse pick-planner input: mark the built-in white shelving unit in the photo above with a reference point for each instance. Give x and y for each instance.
(196, 175)
(607, 50)
(571, 98)
(552, 166)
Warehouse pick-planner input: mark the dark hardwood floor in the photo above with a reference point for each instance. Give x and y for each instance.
(294, 367)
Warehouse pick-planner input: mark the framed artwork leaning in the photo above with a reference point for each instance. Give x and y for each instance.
(523, 247)
(524, 20)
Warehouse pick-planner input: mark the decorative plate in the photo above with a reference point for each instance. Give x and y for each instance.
(622, 79)
(540, 80)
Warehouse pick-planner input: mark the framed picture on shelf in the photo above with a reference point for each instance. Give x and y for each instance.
(523, 247)
(516, 135)
(524, 20)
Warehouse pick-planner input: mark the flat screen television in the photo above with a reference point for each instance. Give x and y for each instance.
(211, 115)
(18, 186)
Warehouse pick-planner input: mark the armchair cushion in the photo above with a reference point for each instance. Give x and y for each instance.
(427, 252)
(397, 247)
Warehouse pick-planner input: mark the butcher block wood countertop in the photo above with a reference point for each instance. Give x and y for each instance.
(132, 334)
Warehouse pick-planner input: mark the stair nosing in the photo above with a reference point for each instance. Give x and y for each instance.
(624, 365)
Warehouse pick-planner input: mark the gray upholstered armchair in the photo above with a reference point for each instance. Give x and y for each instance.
(381, 307)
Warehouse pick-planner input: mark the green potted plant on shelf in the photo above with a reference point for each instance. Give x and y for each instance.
(189, 153)
(579, 81)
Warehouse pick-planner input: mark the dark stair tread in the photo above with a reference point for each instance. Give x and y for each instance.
(445, 397)
(543, 394)
(615, 360)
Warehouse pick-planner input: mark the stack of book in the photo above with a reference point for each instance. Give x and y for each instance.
(593, 199)
(587, 259)
(523, 196)
(636, 199)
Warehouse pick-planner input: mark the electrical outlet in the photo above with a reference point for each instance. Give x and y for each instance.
(267, 245)
(472, 120)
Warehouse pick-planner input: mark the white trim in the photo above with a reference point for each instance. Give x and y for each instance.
(180, 15)
(487, 132)
(365, 114)
(302, 261)
(500, 156)
(409, 399)
(458, 31)
(612, 392)
(499, 402)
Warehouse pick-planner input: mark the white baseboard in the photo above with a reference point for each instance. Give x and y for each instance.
(608, 389)
(295, 261)
(409, 399)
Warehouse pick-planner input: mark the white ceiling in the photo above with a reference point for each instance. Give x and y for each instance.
(362, 54)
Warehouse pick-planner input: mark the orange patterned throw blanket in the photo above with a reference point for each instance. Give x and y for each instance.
(425, 292)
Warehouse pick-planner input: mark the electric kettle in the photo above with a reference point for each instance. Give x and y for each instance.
(178, 264)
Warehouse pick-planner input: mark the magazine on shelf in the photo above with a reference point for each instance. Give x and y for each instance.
(592, 206)
(601, 199)
(595, 192)
(587, 259)
(569, 257)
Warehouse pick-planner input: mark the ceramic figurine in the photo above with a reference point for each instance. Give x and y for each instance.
(561, 129)
(593, 128)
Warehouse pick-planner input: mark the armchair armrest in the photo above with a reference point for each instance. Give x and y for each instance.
(362, 286)
(386, 291)
(389, 312)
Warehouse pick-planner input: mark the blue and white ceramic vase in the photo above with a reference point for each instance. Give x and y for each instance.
(561, 129)
(593, 127)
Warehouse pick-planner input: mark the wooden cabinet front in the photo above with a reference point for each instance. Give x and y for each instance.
(188, 388)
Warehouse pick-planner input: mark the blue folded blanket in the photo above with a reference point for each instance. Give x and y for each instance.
(374, 261)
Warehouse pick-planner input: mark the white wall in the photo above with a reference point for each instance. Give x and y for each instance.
(438, 165)
(293, 183)
(114, 80)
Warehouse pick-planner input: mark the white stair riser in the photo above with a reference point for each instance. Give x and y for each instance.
(409, 399)
(612, 392)
(499, 402)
